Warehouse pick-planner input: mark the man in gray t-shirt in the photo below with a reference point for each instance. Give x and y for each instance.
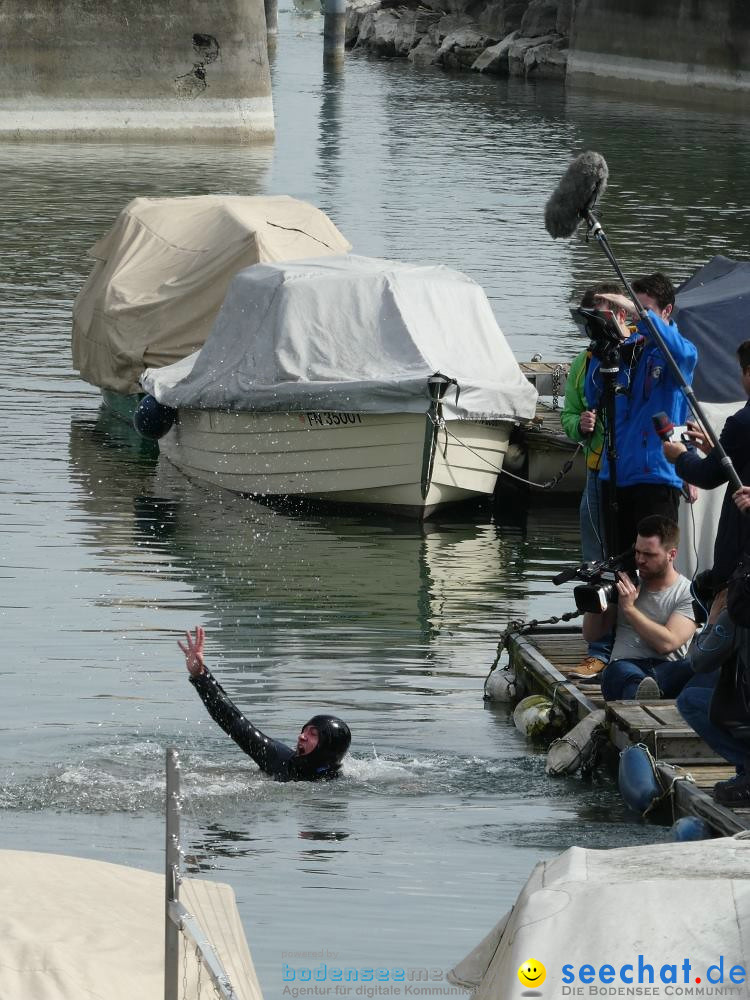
(654, 620)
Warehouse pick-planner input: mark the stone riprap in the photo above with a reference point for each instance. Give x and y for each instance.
(505, 37)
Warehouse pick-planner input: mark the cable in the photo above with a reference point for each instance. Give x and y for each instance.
(567, 466)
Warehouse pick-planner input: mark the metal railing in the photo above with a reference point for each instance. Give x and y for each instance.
(177, 918)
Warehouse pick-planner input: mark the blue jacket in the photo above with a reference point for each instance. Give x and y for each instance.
(651, 388)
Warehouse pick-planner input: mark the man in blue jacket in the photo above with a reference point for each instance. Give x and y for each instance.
(646, 483)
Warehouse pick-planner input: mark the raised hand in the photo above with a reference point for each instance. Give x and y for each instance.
(193, 650)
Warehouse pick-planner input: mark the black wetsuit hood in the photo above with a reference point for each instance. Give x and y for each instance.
(324, 761)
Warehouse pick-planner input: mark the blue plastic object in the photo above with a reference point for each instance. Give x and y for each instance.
(637, 780)
(152, 419)
(691, 828)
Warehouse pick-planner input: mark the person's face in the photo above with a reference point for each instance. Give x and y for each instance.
(652, 559)
(307, 740)
(649, 302)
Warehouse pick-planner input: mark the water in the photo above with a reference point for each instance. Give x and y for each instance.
(108, 553)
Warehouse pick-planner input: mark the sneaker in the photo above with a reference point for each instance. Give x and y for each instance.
(734, 792)
(588, 668)
(647, 690)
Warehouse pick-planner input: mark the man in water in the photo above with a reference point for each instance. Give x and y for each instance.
(321, 745)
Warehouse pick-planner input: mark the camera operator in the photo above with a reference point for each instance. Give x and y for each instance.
(654, 620)
(583, 425)
(733, 530)
(646, 483)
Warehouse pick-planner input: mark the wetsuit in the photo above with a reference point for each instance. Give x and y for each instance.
(272, 756)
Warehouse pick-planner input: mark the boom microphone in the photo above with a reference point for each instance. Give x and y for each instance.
(579, 189)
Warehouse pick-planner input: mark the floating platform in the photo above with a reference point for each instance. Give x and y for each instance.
(542, 661)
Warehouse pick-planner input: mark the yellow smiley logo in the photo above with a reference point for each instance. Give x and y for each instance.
(532, 973)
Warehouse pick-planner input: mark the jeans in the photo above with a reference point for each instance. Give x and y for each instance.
(590, 519)
(694, 705)
(620, 679)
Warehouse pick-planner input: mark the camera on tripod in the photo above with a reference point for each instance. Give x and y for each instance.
(604, 333)
(599, 587)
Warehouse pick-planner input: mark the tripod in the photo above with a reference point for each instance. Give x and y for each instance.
(609, 366)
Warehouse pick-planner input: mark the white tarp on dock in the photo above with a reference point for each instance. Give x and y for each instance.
(163, 269)
(74, 929)
(656, 906)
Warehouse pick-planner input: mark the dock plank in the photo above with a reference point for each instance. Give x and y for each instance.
(685, 763)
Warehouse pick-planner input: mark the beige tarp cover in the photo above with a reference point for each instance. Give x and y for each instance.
(73, 929)
(666, 902)
(162, 270)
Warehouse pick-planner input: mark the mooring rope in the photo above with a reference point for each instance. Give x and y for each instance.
(550, 484)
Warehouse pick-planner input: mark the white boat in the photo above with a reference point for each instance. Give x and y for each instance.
(161, 273)
(351, 380)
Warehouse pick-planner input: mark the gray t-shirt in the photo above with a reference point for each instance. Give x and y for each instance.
(658, 606)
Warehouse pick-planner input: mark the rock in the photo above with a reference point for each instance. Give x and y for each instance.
(546, 62)
(564, 17)
(460, 49)
(424, 53)
(499, 17)
(356, 12)
(495, 60)
(539, 19)
(518, 49)
(381, 32)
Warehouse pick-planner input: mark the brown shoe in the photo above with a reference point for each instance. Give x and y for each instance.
(588, 668)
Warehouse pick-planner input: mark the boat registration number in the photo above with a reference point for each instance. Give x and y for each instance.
(332, 419)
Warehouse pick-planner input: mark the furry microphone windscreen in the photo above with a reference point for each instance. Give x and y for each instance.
(582, 184)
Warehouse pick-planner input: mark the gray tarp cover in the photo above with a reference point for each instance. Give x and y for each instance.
(713, 311)
(162, 272)
(350, 334)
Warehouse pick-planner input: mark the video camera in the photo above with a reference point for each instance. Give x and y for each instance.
(604, 333)
(599, 581)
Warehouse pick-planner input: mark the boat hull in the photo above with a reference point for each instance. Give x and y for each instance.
(392, 461)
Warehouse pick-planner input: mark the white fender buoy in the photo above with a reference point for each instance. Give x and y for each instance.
(533, 715)
(569, 753)
(501, 686)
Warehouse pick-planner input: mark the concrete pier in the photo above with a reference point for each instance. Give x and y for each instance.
(670, 48)
(124, 69)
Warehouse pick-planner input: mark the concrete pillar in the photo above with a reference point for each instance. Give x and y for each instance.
(171, 69)
(272, 22)
(334, 33)
(698, 51)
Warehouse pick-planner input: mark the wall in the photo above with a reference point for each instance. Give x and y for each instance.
(698, 47)
(176, 69)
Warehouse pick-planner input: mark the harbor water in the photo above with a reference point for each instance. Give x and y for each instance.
(108, 553)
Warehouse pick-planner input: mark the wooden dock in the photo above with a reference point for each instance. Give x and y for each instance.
(542, 660)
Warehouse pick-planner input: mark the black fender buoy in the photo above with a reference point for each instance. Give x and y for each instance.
(691, 828)
(153, 419)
